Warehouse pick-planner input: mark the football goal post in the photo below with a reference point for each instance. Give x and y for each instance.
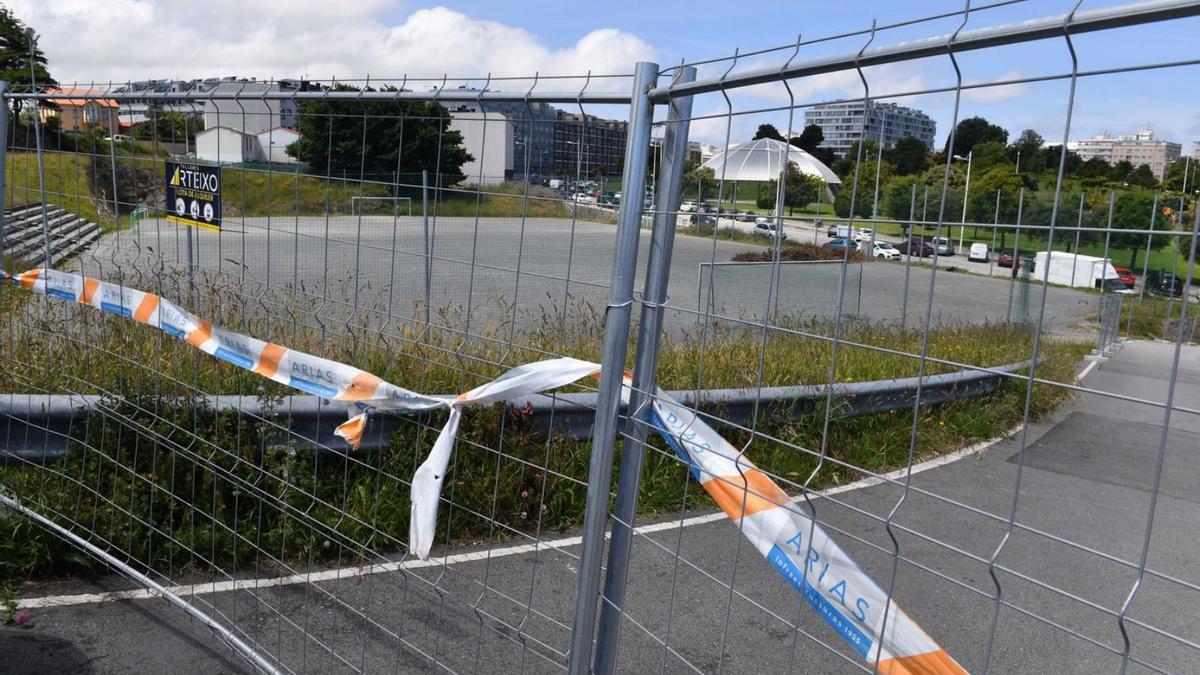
(381, 206)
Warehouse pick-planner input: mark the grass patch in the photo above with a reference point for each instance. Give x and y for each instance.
(252, 192)
(1154, 317)
(180, 488)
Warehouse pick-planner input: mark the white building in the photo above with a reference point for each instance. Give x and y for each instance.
(1137, 149)
(846, 123)
(488, 138)
(273, 143)
(225, 145)
(251, 113)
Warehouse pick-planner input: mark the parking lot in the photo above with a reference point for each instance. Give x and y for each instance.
(493, 270)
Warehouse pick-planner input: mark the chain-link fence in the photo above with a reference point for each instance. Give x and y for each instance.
(388, 403)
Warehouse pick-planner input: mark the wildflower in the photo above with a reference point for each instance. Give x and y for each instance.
(524, 515)
(326, 544)
(524, 494)
(544, 508)
(21, 618)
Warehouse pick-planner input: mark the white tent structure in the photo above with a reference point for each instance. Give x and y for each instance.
(762, 160)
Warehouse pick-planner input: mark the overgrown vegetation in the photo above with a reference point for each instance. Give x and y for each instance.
(180, 487)
(82, 183)
(1156, 318)
(797, 252)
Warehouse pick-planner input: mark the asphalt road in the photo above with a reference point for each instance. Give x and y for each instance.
(496, 270)
(1085, 491)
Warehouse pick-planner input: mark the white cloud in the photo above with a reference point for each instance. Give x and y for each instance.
(120, 40)
(995, 94)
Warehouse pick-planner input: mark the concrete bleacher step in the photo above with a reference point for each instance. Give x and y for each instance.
(76, 246)
(33, 228)
(35, 246)
(65, 245)
(25, 235)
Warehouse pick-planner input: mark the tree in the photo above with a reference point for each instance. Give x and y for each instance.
(331, 138)
(699, 181)
(864, 201)
(1142, 176)
(168, 127)
(1053, 154)
(1121, 170)
(981, 204)
(810, 139)
(1030, 140)
(767, 131)
(989, 154)
(14, 58)
(974, 130)
(1133, 211)
(1174, 175)
(897, 199)
(801, 190)
(909, 156)
(1093, 168)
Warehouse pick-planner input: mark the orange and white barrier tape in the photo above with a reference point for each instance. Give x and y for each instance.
(795, 545)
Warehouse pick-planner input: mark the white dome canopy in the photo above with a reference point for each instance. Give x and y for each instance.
(762, 160)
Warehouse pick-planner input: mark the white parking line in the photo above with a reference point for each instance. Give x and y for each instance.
(473, 556)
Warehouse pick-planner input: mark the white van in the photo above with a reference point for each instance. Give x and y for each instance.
(978, 253)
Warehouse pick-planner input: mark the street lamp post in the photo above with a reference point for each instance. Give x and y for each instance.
(966, 193)
(1017, 170)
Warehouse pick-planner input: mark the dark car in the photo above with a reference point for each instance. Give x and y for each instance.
(703, 219)
(1164, 283)
(839, 244)
(917, 246)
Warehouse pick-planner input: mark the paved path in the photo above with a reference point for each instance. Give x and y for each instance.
(1087, 479)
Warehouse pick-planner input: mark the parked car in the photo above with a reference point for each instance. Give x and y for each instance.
(1007, 258)
(978, 253)
(1164, 283)
(1126, 276)
(915, 246)
(839, 232)
(943, 245)
(882, 249)
(863, 234)
(702, 219)
(764, 223)
(841, 243)
(687, 207)
(745, 216)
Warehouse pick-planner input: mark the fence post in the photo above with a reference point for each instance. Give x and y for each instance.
(612, 372)
(658, 268)
(425, 240)
(3, 162)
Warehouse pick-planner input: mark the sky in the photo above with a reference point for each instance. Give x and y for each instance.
(121, 40)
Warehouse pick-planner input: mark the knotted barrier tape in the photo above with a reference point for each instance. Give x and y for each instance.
(798, 548)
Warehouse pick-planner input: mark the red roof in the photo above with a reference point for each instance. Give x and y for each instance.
(80, 102)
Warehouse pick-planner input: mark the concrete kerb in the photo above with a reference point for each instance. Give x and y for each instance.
(41, 427)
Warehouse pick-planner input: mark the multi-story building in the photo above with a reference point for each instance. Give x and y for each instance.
(848, 122)
(557, 143)
(1137, 149)
(83, 114)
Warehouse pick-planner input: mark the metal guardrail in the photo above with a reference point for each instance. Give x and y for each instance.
(41, 427)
